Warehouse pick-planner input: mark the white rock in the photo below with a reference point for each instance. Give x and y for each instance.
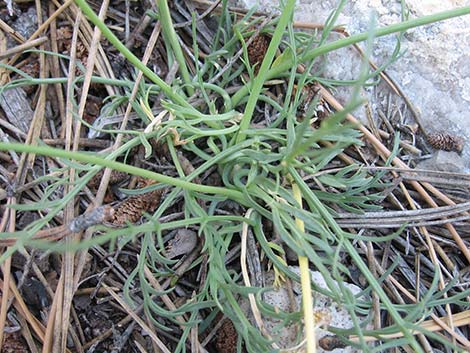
(434, 71)
(332, 313)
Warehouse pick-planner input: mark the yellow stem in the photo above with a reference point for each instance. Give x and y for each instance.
(307, 301)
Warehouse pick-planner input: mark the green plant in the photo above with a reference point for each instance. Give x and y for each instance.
(261, 168)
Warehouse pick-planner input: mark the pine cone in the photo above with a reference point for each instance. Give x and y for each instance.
(446, 142)
(257, 50)
(329, 343)
(227, 337)
(132, 208)
(115, 177)
(14, 343)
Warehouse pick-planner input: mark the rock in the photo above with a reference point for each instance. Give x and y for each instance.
(183, 243)
(17, 108)
(26, 23)
(443, 161)
(434, 68)
(327, 312)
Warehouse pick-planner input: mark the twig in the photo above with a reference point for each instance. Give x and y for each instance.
(15, 34)
(22, 47)
(380, 223)
(436, 324)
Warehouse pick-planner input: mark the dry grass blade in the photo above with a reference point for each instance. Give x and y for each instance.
(27, 335)
(141, 323)
(51, 323)
(57, 317)
(50, 234)
(9, 215)
(6, 268)
(436, 324)
(55, 68)
(69, 263)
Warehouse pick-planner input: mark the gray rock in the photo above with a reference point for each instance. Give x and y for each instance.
(17, 108)
(26, 23)
(183, 243)
(443, 161)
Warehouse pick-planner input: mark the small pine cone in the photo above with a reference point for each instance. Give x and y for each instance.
(329, 343)
(227, 336)
(257, 50)
(446, 142)
(14, 343)
(115, 177)
(131, 209)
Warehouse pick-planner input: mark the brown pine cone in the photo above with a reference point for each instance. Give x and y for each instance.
(446, 142)
(14, 343)
(115, 177)
(257, 50)
(329, 343)
(227, 337)
(131, 209)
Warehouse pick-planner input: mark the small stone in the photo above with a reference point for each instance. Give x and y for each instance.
(443, 161)
(17, 108)
(183, 243)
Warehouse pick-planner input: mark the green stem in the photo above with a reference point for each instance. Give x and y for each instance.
(258, 83)
(94, 160)
(170, 34)
(167, 90)
(326, 48)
